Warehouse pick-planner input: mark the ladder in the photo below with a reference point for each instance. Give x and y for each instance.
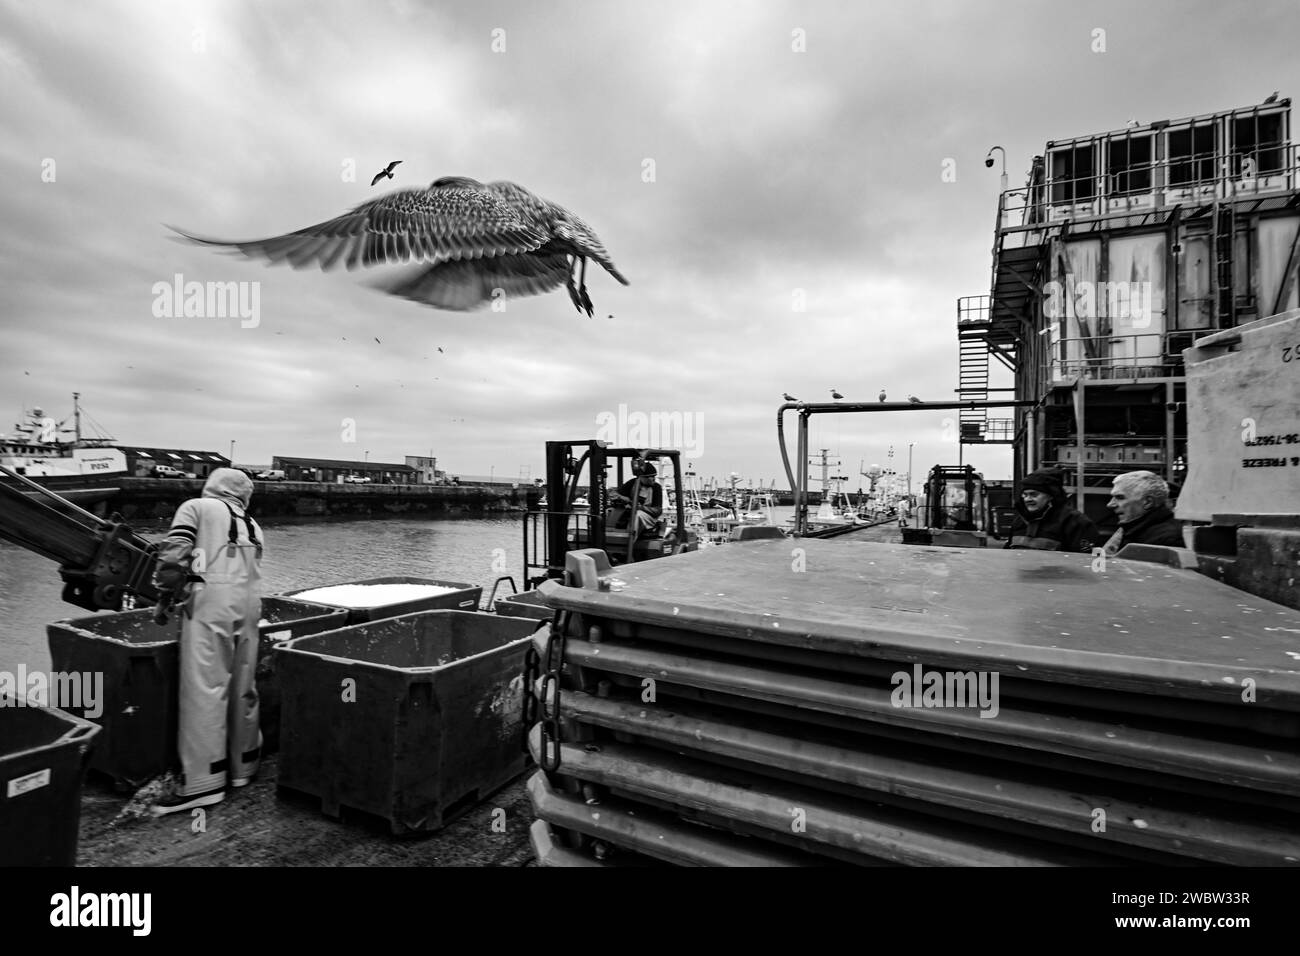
(1221, 238)
(972, 383)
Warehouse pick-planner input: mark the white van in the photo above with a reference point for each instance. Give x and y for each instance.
(272, 475)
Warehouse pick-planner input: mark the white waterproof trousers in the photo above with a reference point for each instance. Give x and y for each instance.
(219, 737)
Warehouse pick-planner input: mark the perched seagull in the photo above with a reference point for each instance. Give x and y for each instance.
(385, 173)
(836, 395)
(788, 397)
(471, 242)
(914, 400)
(882, 394)
(1272, 97)
(1132, 123)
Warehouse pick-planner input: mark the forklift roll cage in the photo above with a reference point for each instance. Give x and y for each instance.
(560, 529)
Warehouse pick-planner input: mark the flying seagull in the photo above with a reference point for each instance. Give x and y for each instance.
(1272, 97)
(836, 395)
(882, 394)
(471, 244)
(914, 400)
(386, 173)
(788, 397)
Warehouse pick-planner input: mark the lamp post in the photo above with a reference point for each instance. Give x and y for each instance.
(232, 451)
(988, 161)
(909, 470)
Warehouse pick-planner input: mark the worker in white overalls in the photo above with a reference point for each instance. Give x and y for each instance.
(215, 548)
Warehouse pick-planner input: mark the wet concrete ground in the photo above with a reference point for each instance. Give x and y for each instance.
(258, 826)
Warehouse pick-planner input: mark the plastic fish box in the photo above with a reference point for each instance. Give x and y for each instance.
(393, 597)
(43, 757)
(140, 664)
(529, 604)
(413, 719)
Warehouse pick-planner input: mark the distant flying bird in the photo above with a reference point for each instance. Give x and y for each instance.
(882, 394)
(385, 173)
(788, 397)
(1272, 97)
(472, 243)
(914, 400)
(836, 395)
(439, 348)
(377, 340)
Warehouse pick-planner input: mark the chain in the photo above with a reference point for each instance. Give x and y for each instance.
(550, 694)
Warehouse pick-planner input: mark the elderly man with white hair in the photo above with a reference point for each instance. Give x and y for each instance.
(1140, 499)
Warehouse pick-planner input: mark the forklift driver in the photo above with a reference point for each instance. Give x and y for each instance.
(651, 495)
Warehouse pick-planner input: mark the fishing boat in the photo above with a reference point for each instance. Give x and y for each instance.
(83, 470)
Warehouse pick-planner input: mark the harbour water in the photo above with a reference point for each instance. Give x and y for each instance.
(297, 556)
(468, 550)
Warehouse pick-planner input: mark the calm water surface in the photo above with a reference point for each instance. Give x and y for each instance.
(297, 556)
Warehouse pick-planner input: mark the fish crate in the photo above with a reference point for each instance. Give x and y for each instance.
(396, 596)
(528, 604)
(413, 719)
(43, 758)
(139, 660)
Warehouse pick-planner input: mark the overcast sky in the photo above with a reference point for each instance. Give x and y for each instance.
(775, 169)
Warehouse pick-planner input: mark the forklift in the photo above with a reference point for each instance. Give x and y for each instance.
(954, 513)
(580, 470)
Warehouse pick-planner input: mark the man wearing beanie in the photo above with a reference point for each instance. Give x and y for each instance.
(651, 494)
(1046, 521)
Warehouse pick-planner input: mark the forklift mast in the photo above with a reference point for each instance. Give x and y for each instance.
(564, 527)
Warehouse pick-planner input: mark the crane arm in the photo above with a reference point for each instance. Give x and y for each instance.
(101, 561)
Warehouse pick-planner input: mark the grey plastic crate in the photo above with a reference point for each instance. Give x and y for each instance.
(413, 719)
(43, 757)
(465, 597)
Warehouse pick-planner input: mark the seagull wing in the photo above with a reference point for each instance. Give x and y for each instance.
(393, 165)
(465, 284)
(564, 227)
(454, 221)
(378, 176)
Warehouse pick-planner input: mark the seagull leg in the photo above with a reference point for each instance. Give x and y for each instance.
(582, 290)
(573, 289)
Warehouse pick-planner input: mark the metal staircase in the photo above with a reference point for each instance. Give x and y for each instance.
(972, 381)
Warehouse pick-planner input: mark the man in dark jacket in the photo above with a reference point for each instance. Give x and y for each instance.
(650, 507)
(1044, 519)
(1140, 499)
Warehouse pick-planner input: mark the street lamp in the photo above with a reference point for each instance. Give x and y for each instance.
(909, 469)
(988, 161)
(232, 451)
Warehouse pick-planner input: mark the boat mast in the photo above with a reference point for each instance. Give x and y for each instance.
(76, 417)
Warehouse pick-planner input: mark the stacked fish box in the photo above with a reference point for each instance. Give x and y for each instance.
(814, 702)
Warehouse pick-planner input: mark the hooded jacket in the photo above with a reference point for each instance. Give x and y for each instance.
(1058, 527)
(208, 525)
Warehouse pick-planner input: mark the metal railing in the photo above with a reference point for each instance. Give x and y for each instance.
(973, 309)
(1108, 357)
(1271, 168)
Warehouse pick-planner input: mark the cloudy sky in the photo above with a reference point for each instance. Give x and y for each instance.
(735, 158)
